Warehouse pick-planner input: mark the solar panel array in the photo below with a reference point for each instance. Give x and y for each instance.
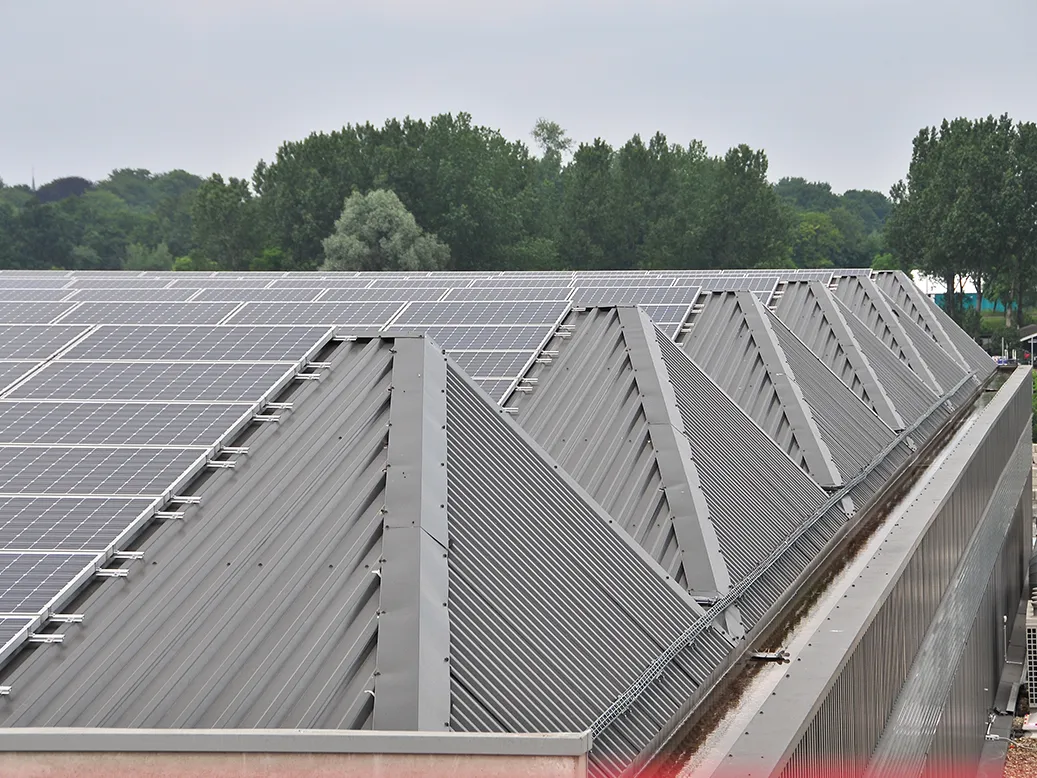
(116, 389)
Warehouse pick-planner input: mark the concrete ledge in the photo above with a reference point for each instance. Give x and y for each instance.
(287, 741)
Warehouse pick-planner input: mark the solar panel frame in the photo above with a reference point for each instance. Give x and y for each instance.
(63, 470)
(246, 295)
(198, 343)
(331, 314)
(66, 523)
(484, 313)
(508, 293)
(32, 312)
(100, 424)
(29, 581)
(492, 364)
(148, 313)
(490, 338)
(151, 382)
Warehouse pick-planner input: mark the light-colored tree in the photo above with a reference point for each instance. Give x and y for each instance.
(377, 232)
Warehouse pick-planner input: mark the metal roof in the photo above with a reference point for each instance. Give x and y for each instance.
(731, 339)
(809, 310)
(533, 567)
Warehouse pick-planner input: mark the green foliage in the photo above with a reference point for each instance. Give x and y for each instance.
(377, 232)
(225, 217)
(966, 209)
(194, 264)
(139, 257)
(647, 203)
(884, 262)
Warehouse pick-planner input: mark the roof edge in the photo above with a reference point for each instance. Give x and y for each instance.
(289, 741)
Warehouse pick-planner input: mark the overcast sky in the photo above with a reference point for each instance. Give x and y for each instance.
(832, 89)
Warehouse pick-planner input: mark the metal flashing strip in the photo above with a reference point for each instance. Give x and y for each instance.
(855, 356)
(292, 741)
(715, 611)
(705, 570)
(412, 687)
(813, 448)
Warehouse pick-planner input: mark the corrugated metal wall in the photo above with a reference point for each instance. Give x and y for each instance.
(851, 719)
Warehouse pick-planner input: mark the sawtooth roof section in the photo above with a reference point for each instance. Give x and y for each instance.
(555, 611)
(367, 565)
(852, 431)
(809, 310)
(871, 306)
(612, 424)
(756, 494)
(922, 310)
(732, 341)
(911, 396)
(259, 608)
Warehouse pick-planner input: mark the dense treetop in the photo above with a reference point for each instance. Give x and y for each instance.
(490, 203)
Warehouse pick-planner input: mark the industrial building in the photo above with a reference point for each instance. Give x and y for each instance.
(767, 523)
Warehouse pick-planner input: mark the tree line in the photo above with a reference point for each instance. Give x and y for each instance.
(447, 193)
(967, 212)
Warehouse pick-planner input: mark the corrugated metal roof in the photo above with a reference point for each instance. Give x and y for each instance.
(909, 393)
(259, 609)
(604, 411)
(808, 309)
(731, 340)
(554, 610)
(756, 494)
(854, 433)
(872, 307)
(935, 321)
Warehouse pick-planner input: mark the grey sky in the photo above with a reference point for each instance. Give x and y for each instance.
(831, 89)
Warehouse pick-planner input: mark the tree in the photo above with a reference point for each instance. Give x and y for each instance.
(967, 209)
(747, 224)
(225, 223)
(377, 232)
(817, 240)
(139, 257)
(61, 188)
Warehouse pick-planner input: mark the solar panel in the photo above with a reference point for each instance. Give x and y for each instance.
(33, 282)
(245, 295)
(31, 313)
(524, 280)
(394, 294)
(10, 626)
(70, 423)
(186, 344)
(495, 389)
(29, 581)
(22, 342)
(476, 294)
(132, 295)
(78, 471)
(65, 523)
(33, 295)
(488, 337)
(590, 296)
(355, 314)
(481, 313)
(150, 381)
(667, 314)
(490, 364)
(12, 371)
(226, 280)
(117, 281)
(149, 313)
